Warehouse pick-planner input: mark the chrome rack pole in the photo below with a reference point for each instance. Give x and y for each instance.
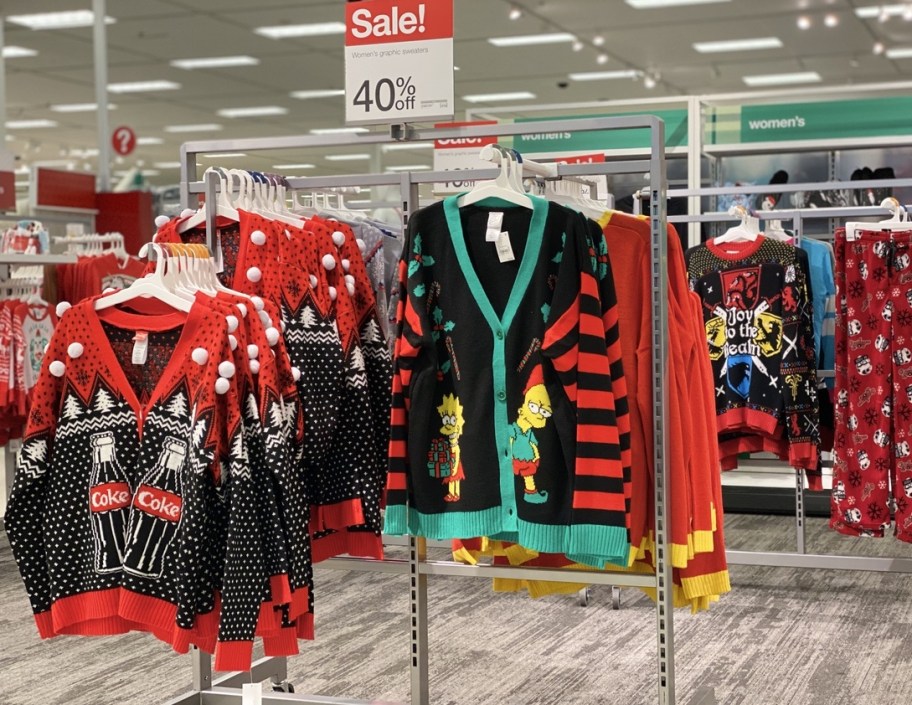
(664, 584)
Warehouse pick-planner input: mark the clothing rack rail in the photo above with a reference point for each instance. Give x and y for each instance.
(418, 567)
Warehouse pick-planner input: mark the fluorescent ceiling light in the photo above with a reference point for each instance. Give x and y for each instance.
(257, 111)
(347, 157)
(498, 97)
(167, 165)
(29, 124)
(782, 79)
(604, 75)
(225, 155)
(407, 146)
(412, 167)
(320, 93)
(24, 169)
(876, 11)
(753, 44)
(149, 140)
(14, 52)
(57, 20)
(651, 4)
(900, 53)
(339, 131)
(317, 29)
(143, 86)
(293, 166)
(203, 127)
(79, 107)
(215, 62)
(525, 40)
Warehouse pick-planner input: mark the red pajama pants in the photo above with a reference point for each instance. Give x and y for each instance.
(872, 474)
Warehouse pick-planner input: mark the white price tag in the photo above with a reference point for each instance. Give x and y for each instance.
(504, 248)
(140, 347)
(398, 61)
(495, 222)
(252, 694)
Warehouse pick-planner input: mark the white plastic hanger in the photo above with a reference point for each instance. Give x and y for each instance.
(897, 221)
(152, 286)
(747, 231)
(773, 228)
(223, 206)
(501, 187)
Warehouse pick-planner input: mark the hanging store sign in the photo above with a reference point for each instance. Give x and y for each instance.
(398, 61)
(123, 140)
(7, 191)
(460, 153)
(825, 120)
(603, 140)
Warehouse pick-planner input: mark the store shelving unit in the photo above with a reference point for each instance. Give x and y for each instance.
(418, 568)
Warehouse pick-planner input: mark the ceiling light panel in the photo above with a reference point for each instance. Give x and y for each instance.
(147, 141)
(339, 131)
(753, 44)
(14, 52)
(876, 11)
(899, 53)
(410, 167)
(782, 79)
(57, 20)
(498, 97)
(167, 165)
(29, 124)
(201, 127)
(604, 75)
(225, 155)
(79, 107)
(525, 40)
(255, 111)
(653, 4)
(143, 86)
(347, 157)
(286, 167)
(215, 62)
(319, 93)
(407, 146)
(287, 31)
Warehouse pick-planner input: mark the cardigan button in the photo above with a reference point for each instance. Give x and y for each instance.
(501, 395)
(500, 335)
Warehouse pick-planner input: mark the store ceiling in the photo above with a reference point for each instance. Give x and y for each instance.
(148, 34)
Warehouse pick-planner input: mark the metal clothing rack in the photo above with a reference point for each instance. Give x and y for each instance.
(418, 568)
(800, 558)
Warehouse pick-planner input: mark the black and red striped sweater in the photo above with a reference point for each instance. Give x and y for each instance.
(504, 422)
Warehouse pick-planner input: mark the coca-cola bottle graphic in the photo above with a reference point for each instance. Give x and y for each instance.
(109, 504)
(156, 513)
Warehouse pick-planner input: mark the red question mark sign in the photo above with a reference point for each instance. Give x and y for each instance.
(123, 140)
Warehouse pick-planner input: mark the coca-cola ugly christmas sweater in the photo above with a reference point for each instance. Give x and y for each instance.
(125, 464)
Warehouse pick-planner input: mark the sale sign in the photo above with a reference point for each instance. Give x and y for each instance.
(460, 153)
(398, 61)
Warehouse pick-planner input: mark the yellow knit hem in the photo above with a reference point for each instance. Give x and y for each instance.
(464, 555)
(706, 585)
(703, 541)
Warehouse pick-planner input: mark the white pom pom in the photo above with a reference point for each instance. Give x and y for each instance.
(313, 282)
(272, 335)
(333, 293)
(282, 324)
(226, 369)
(361, 245)
(57, 368)
(296, 373)
(63, 307)
(233, 323)
(108, 290)
(200, 356)
(258, 237)
(243, 309)
(254, 274)
(346, 264)
(255, 367)
(253, 352)
(75, 350)
(222, 385)
(264, 318)
(161, 221)
(339, 238)
(350, 288)
(350, 279)
(329, 262)
(187, 212)
(232, 341)
(257, 302)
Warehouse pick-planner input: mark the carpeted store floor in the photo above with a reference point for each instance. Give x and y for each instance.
(782, 637)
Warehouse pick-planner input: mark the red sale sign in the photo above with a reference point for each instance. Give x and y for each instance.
(398, 61)
(596, 158)
(460, 153)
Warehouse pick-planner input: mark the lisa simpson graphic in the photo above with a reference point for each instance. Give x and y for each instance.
(444, 460)
(534, 413)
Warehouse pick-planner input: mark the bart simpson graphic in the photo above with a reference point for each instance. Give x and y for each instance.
(534, 413)
(451, 415)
